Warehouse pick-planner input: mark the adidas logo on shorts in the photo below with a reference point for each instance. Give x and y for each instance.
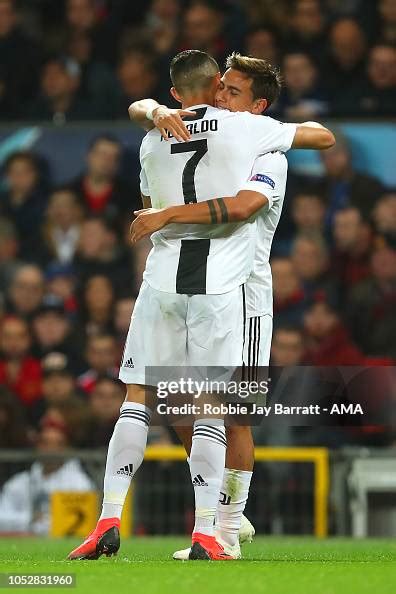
(129, 363)
(198, 481)
(126, 470)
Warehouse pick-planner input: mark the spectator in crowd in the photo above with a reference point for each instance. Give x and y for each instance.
(151, 32)
(310, 258)
(203, 29)
(13, 427)
(387, 29)
(102, 359)
(352, 248)
(97, 307)
(81, 15)
(345, 65)
(290, 301)
(343, 185)
(302, 98)
(19, 65)
(25, 498)
(371, 310)
(60, 402)
(287, 348)
(376, 93)
(9, 251)
(100, 252)
(262, 43)
(59, 99)
(26, 291)
(308, 210)
(52, 330)
(105, 401)
(378, 96)
(327, 339)
(19, 371)
(61, 229)
(100, 188)
(97, 79)
(61, 283)
(86, 16)
(307, 28)
(384, 214)
(271, 13)
(25, 199)
(163, 25)
(137, 74)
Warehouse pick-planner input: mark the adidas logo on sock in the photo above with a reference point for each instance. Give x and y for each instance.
(126, 470)
(198, 481)
(129, 363)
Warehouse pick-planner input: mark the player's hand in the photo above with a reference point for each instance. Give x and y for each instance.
(170, 120)
(148, 220)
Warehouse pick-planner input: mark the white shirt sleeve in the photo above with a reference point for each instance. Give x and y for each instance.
(268, 177)
(268, 134)
(144, 188)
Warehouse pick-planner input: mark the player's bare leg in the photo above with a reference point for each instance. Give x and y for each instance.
(124, 457)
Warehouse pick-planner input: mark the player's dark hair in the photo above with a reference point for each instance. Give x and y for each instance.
(266, 79)
(192, 71)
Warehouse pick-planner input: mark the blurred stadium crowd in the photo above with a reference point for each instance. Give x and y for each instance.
(89, 59)
(68, 275)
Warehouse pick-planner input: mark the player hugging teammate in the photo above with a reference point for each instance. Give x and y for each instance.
(206, 297)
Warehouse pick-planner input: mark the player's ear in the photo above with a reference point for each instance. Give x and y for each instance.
(176, 95)
(259, 106)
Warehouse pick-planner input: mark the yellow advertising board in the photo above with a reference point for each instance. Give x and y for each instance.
(76, 514)
(73, 513)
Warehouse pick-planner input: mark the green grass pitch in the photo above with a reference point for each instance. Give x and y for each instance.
(270, 565)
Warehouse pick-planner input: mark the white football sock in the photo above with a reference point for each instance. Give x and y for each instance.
(234, 493)
(124, 456)
(207, 461)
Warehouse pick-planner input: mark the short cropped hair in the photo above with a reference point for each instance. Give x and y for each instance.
(193, 70)
(266, 79)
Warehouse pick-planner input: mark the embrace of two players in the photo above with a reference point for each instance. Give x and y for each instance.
(213, 178)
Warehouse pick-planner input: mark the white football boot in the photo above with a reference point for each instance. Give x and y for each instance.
(246, 533)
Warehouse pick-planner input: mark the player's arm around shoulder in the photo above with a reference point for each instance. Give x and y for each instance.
(149, 114)
(139, 112)
(269, 134)
(312, 135)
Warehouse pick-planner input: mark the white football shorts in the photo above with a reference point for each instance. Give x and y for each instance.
(257, 343)
(178, 330)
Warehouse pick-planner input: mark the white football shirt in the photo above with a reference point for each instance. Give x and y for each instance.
(268, 177)
(199, 259)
